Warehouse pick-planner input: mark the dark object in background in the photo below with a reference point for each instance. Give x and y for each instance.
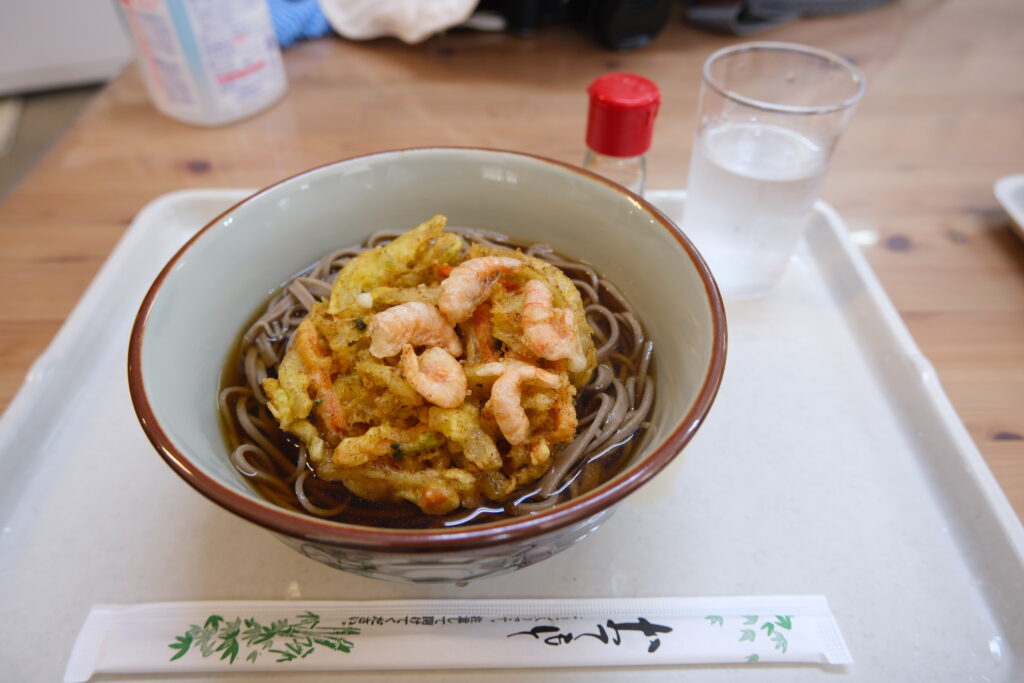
(626, 24)
(617, 24)
(745, 17)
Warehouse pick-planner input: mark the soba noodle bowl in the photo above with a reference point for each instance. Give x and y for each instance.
(612, 408)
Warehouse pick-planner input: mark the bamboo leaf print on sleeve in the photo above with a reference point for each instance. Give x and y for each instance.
(289, 640)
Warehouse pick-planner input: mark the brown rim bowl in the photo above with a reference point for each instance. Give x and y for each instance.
(192, 315)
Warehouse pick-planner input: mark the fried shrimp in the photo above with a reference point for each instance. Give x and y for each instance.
(318, 364)
(470, 283)
(435, 375)
(506, 403)
(416, 323)
(549, 332)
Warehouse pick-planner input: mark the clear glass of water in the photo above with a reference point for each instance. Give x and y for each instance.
(769, 117)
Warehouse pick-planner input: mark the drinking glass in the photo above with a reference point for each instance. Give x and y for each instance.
(769, 117)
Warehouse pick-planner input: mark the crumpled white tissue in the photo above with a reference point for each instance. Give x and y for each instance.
(412, 21)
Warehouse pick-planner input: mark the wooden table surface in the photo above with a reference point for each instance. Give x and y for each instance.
(942, 120)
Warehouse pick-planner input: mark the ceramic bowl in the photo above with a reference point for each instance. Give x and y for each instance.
(191, 318)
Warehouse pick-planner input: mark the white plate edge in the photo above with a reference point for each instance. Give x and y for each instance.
(967, 449)
(1001, 189)
(20, 410)
(955, 428)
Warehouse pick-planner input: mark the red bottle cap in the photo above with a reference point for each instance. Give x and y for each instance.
(621, 117)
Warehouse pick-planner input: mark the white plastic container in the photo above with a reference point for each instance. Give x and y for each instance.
(207, 62)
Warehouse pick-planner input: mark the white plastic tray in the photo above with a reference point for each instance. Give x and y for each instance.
(832, 463)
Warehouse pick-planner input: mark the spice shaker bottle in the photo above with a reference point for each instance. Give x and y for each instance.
(207, 62)
(620, 123)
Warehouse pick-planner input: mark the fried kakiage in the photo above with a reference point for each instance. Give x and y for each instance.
(436, 373)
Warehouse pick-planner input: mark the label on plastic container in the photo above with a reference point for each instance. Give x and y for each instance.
(237, 47)
(169, 73)
(454, 634)
(206, 61)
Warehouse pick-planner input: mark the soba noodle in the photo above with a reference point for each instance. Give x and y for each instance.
(612, 409)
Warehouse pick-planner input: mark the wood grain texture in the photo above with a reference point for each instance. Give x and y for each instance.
(942, 120)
